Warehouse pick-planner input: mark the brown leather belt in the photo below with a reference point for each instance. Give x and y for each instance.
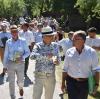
(43, 74)
(78, 79)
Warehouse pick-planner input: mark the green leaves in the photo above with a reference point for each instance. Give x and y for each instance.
(89, 8)
(11, 8)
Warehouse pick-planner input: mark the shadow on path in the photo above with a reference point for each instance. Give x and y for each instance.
(27, 81)
(1, 79)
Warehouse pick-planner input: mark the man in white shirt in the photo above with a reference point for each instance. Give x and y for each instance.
(79, 61)
(66, 43)
(92, 40)
(30, 40)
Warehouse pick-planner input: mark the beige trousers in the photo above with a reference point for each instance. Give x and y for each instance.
(18, 69)
(45, 81)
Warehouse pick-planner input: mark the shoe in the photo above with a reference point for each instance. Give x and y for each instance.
(21, 92)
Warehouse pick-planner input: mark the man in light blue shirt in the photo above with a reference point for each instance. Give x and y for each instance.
(4, 36)
(28, 36)
(16, 51)
(38, 33)
(66, 43)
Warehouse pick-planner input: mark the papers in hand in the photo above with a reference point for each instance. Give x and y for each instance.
(17, 55)
(97, 69)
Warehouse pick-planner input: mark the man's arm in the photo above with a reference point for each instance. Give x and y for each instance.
(64, 77)
(31, 46)
(96, 76)
(26, 50)
(96, 48)
(64, 73)
(6, 54)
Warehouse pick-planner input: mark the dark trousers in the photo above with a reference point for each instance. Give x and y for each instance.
(77, 89)
(26, 65)
(27, 62)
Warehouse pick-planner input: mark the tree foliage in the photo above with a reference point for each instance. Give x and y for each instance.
(40, 6)
(89, 8)
(96, 10)
(10, 8)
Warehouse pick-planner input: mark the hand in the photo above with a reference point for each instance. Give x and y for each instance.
(95, 90)
(55, 60)
(96, 48)
(63, 87)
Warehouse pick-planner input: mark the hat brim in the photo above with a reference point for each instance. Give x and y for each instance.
(54, 33)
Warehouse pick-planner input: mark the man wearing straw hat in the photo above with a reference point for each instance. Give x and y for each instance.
(46, 55)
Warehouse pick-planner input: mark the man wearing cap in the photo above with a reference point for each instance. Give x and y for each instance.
(92, 40)
(4, 36)
(46, 55)
(16, 51)
(66, 43)
(79, 61)
(30, 40)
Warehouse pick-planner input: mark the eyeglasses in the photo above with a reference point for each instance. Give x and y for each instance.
(78, 39)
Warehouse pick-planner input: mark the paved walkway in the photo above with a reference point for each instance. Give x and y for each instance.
(28, 85)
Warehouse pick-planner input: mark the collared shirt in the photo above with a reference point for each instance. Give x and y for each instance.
(65, 44)
(40, 52)
(28, 36)
(93, 41)
(38, 37)
(3, 35)
(13, 47)
(80, 65)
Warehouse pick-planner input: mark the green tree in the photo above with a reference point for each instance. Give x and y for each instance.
(36, 7)
(65, 5)
(10, 8)
(96, 10)
(40, 6)
(87, 8)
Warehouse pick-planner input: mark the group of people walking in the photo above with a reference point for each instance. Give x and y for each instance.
(44, 46)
